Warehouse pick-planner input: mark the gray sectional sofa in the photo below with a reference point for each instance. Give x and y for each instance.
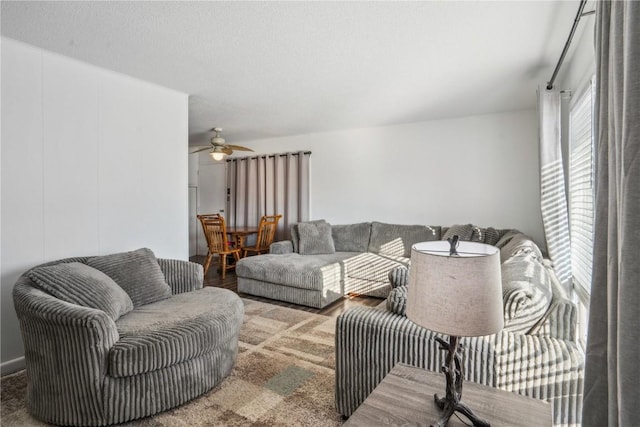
(114, 338)
(322, 263)
(536, 354)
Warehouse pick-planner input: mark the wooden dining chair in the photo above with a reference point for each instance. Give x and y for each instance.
(215, 231)
(266, 232)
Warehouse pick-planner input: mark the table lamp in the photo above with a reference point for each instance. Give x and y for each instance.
(455, 289)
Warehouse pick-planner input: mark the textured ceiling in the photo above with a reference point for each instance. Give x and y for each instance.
(265, 69)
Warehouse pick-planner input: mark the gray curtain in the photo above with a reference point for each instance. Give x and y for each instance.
(268, 185)
(612, 372)
(553, 198)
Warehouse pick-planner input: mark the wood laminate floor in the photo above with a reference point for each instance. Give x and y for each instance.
(213, 278)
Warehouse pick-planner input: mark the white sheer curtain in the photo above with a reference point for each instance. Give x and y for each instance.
(268, 185)
(552, 186)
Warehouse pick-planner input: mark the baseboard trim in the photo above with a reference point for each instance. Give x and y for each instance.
(12, 366)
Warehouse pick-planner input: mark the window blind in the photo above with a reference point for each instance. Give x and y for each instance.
(581, 190)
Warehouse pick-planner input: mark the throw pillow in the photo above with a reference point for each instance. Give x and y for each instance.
(397, 300)
(526, 292)
(315, 239)
(295, 237)
(137, 272)
(80, 284)
(489, 236)
(464, 231)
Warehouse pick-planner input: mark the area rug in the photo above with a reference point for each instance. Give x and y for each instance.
(284, 376)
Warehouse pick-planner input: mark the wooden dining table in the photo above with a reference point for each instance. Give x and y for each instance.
(239, 234)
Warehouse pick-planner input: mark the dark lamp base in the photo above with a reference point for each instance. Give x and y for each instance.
(450, 407)
(453, 372)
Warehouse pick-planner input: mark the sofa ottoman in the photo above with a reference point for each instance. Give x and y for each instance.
(314, 281)
(356, 261)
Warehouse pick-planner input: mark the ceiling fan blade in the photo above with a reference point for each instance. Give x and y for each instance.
(202, 149)
(239, 147)
(227, 150)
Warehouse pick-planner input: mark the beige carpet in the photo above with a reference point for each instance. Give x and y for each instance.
(284, 376)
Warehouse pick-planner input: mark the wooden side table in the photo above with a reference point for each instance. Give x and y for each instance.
(405, 398)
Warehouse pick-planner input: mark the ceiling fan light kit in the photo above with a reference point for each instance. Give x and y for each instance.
(219, 147)
(217, 154)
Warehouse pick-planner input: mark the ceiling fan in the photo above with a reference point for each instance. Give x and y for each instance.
(219, 147)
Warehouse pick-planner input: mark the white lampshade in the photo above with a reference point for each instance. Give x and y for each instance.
(457, 295)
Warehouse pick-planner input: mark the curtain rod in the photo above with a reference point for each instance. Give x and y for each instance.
(579, 15)
(264, 156)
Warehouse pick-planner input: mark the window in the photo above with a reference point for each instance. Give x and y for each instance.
(581, 199)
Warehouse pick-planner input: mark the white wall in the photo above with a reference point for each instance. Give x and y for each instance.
(93, 162)
(211, 192)
(212, 184)
(193, 169)
(574, 77)
(580, 66)
(482, 170)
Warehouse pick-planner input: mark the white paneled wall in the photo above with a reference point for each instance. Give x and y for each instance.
(70, 135)
(22, 219)
(93, 162)
(120, 172)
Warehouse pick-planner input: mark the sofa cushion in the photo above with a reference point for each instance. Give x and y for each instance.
(281, 247)
(397, 239)
(295, 270)
(372, 267)
(295, 236)
(526, 291)
(137, 272)
(351, 237)
(174, 330)
(315, 239)
(83, 285)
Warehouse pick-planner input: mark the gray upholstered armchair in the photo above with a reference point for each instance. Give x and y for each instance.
(536, 354)
(98, 366)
